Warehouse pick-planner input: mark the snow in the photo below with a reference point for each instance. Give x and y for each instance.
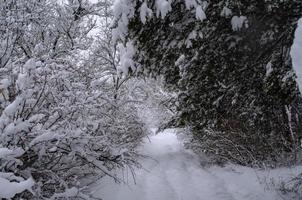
(170, 172)
(12, 108)
(200, 14)
(289, 119)
(145, 12)
(8, 189)
(296, 53)
(47, 136)
(30, 64)
(123, 11)
(162, 8)
(226, 12)
(6, 153)
(180, 60)
(238, 22)
(71, 192)
(4, 83)
(190, 4)
(269, 69)
(17, 126)
(126, 54)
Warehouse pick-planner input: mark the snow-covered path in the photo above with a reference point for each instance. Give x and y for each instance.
(175, 173)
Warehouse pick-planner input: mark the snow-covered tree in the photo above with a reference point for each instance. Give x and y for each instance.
(229, 61)
(59, 123)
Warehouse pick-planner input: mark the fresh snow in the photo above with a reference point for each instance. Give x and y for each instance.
(296, 53)
(162, 8)
(145, 12)
(226, 12)
(200, 14)
(269, 69)
(6, 153)
(10, 185)
(123, 10)
(190, 4)
(4, 83)
(8, 189)
(126, 62)
(11, 109)
(170, 172)
(238, 22)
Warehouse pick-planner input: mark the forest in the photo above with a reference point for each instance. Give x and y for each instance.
(151, 99)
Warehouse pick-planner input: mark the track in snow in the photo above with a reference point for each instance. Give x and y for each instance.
(175, 174)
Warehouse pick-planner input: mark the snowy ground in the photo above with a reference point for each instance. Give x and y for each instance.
(176, 174)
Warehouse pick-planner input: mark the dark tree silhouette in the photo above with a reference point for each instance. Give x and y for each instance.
(233, 71)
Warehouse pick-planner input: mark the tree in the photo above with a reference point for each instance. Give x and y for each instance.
(58, 124)
(230, 63)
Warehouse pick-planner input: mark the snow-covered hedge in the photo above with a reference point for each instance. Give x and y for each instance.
(60, 122)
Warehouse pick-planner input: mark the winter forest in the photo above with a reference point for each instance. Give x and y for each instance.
(151, 99)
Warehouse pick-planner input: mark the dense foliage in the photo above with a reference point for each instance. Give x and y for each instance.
(65, 114)
(230, 63)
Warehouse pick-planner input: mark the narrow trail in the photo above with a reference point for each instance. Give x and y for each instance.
(175, 173)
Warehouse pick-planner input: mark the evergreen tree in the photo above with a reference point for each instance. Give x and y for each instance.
(229, 61)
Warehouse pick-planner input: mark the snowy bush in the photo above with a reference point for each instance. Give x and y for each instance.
(60, 123)
(292, 188)
(157, 105)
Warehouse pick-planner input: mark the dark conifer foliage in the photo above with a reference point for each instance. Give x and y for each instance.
(237, 88)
